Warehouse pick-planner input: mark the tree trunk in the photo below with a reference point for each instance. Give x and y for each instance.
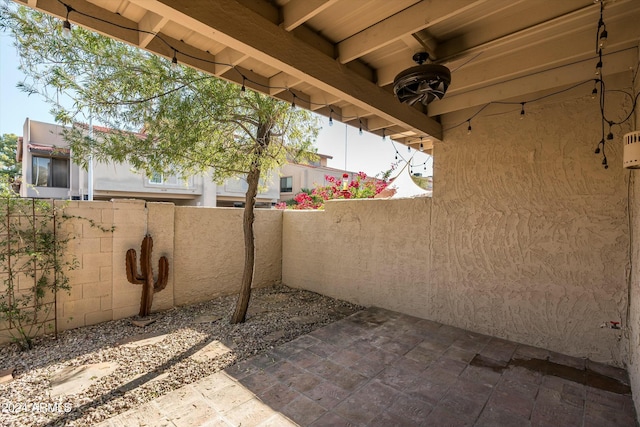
(242, 305)
(253, 179)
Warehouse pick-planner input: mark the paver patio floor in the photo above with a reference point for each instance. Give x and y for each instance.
(382, 368)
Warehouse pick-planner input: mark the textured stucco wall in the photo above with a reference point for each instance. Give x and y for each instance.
(209, 251)
(371, 252)
(634, 291)
(634, 283)
(525, 237)
(531, 230)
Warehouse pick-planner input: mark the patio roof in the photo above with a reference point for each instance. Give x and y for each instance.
(339, 57)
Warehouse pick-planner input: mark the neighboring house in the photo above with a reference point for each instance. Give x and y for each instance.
(48, 171)
(294, 176)
(232, 191)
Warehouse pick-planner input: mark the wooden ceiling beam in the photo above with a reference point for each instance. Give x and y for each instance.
(409, 21)
(150, 25)
(549, 79)
(245, 31)
(268, 43)
(322, 99)
(297, 12)
(227, 59)
(532, 50)
(376, 123)
(116, 27)
(281, 82)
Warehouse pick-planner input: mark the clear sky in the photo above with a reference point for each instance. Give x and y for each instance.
(367, 152)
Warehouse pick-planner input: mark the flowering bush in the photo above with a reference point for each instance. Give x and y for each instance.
(361, 187)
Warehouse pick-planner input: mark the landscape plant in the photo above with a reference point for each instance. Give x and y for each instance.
(33, 266)
(10, 169)
(360, 187)
(162, 117)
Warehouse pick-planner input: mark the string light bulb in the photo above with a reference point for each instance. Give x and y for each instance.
(594, 92)
(243, 89)
(408, 148)
(421, 145)
(66, 29)
(384, 136)
(522, 111)
(597, 151)
(610, 134)
(603, 39)
(360, 129)
(174, 61)
(331, 117)
(66, 25)
(293, 101)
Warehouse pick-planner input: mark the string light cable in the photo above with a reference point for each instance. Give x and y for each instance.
(601, 38)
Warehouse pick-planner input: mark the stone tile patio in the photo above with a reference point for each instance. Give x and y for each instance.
(381, 368)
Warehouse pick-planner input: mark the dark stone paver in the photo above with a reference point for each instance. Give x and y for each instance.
(382, 368)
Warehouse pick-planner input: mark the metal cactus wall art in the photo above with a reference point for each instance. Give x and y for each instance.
(145, 276)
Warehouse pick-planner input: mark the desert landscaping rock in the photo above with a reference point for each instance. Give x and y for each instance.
(207, 319)
(141, 323)
(6, 375)
(142, 340)
(76, 379)
(211, 351)
(180, 352)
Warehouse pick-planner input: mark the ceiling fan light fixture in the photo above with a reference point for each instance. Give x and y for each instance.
(424, 83)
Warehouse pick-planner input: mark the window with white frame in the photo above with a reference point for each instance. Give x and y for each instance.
(158, 178)
(50, 172)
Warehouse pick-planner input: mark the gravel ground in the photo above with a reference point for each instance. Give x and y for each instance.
(276, 315)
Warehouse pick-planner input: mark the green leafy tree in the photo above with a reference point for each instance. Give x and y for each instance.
(167, 119)
(9, 167)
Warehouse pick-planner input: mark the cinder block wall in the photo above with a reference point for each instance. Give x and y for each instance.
(90, 300)
(204, 246)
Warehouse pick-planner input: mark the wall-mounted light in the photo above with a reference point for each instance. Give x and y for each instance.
(631, 150)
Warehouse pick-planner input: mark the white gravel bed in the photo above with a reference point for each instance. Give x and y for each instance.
(276, 315)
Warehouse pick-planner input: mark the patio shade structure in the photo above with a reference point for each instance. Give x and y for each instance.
(340, 57)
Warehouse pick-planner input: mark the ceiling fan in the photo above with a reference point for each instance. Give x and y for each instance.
(423, 83)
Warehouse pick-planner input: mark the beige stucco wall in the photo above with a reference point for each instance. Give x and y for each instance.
(209, 251)
(525, 238)
(370, 252)
(531, 230)
(633, 332)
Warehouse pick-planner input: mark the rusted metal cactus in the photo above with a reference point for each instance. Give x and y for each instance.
(145, 277)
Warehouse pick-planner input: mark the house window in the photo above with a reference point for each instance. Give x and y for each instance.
(50, 172)
(286, 184)
(158, 178)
